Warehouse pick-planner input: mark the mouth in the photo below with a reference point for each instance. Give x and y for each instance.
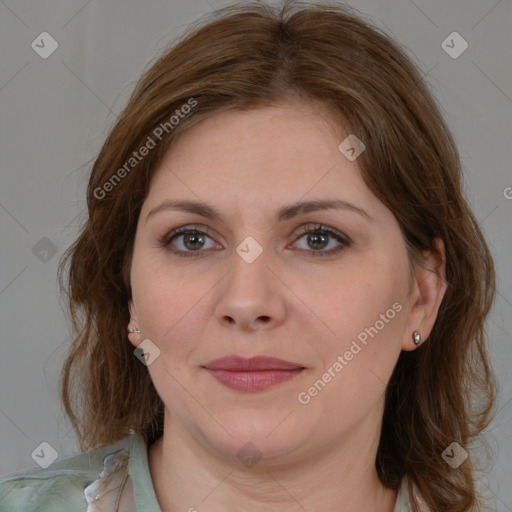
(253, 374)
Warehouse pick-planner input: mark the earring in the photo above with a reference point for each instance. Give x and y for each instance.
(133, 329)
(416, 337)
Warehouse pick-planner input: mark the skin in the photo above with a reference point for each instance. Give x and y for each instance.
(288, 303)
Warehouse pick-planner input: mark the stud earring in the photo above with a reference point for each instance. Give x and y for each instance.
(416, 337)
(133, 329)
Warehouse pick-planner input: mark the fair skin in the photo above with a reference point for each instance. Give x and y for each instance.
(287, 303)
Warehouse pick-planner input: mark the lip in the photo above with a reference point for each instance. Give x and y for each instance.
(253, 374)
(256, 363)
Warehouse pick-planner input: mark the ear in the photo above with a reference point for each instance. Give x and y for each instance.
(428, 291)
(134, 337)
(133, 311)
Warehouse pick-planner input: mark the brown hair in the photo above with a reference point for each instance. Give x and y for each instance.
(252, 55)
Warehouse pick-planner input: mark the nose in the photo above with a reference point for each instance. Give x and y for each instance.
(251, 296)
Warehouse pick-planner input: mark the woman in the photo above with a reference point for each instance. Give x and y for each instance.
(279, 294)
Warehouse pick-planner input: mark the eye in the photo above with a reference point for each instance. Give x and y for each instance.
(189, 240)
(319, 237)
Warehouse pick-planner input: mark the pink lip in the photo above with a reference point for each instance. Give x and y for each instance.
(256, 363)
(254, 374)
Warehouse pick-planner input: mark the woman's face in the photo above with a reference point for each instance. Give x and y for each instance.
(255, 283)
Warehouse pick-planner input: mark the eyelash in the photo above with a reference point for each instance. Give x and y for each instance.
(166, 240)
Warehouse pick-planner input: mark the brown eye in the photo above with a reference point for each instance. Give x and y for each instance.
(320, 237)
(188, 241)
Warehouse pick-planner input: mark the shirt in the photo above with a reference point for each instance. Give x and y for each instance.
(93, 481)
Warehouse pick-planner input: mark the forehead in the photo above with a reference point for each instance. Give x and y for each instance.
(289, 149)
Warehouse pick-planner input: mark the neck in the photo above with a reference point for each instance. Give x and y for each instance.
(188, 476)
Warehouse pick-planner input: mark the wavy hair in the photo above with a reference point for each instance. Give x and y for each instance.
(253, 55)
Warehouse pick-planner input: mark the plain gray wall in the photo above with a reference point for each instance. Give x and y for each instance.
(55, 113)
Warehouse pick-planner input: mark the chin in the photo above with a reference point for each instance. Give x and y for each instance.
(255, 436)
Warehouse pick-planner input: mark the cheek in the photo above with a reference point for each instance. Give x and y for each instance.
(169, 315)
(357, 361)
(169, 312)
(354, 300)
(363, 317)
(167, 301)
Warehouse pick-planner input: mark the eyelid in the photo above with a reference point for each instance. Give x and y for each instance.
(322, 227)
(343, 240)
(168, 236)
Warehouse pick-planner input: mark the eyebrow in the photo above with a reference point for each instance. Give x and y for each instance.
(285, 213)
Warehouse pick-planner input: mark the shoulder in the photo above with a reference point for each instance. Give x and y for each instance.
(60, 487)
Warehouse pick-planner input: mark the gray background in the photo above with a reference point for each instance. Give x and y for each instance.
(56, 112)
